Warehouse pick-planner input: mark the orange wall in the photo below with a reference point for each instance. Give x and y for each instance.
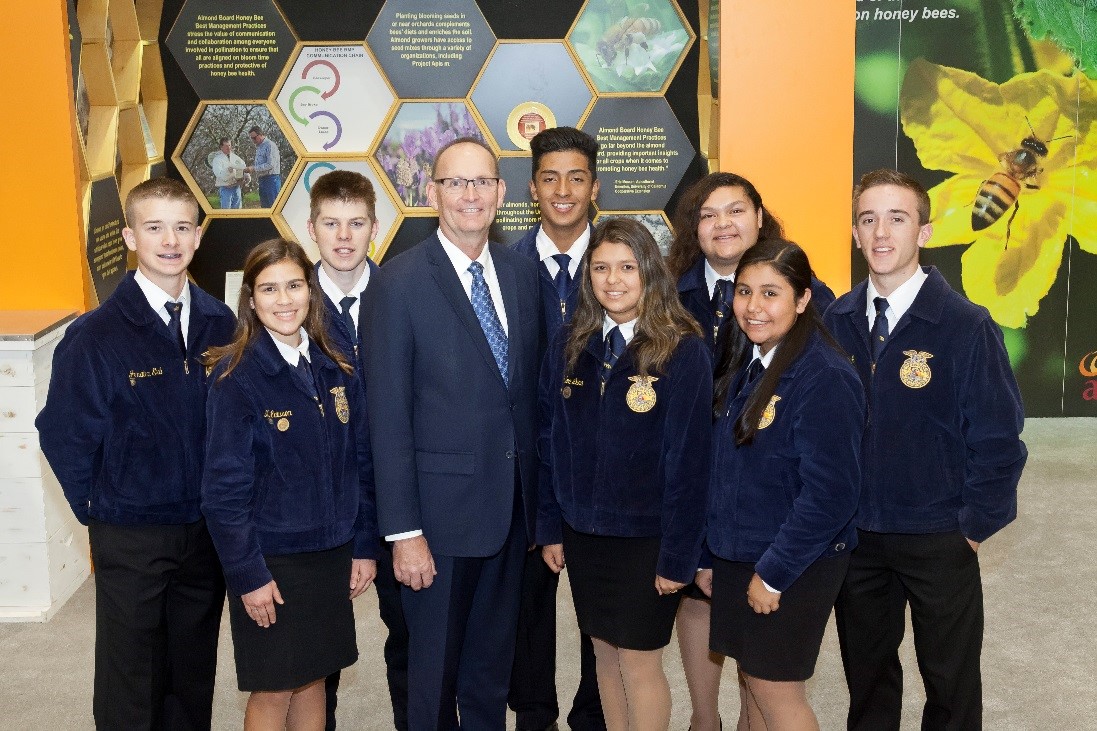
(786, 118)
(41, 256)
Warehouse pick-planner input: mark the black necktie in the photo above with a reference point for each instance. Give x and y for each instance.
(721, 305)
(562, 280)
(879, 327)
(345, 304)
(754, 372)
(615, 345)
(175, 324)
(304, 373)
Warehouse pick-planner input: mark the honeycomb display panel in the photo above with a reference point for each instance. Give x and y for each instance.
(106, 249)
(519, 211)
(655, 221)
(335, 99)
(293, 217)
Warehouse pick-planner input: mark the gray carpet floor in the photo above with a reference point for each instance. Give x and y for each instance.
(1040, 649)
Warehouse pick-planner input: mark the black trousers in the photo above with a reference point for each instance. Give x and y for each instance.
(396, 646)
(938, 575)
(532, 694)
(159, 593)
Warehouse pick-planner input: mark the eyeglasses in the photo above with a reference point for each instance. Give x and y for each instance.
(458, 185)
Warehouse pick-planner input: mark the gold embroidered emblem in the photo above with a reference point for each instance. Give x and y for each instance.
(342, 408)
(566, 391)
(641, 396)
(915, 372)
(283, 424)
(769, 413)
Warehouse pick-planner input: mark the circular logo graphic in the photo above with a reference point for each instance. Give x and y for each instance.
(526, 120)
(1088, 365)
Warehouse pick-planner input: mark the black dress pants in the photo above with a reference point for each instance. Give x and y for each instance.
(159, 593)
(938, 575)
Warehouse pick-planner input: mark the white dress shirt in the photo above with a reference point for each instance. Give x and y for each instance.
(158, 298)
(331, 289)
(546, 249)
(899, 301)
(712, 276)
(293, 355)
(461, 261)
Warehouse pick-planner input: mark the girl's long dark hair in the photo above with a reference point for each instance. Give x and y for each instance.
(248, 326)
(686, 249)
(791, 263)
(662, 322)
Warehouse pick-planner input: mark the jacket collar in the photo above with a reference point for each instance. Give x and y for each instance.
(929, 305)
(271, 361)
(694, 277)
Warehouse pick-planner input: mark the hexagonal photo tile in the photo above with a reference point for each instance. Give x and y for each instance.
(518, 211)
(235, 156)
(643, 152)
(231, 50)
(527, 87)
(655, 221)
(430, 48)
(628, 46)
(335, 98)
(294, 214)
(417, 132)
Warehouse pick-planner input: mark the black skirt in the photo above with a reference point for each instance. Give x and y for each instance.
(613, 587)
(782, 645)
(313, 632)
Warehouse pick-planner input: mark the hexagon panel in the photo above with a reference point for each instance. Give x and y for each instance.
(631, 47)
(643, 154)
(335, 99)
(417, 132)
(431, 48)
(223, 174)
(527, 87)
(231, 50)
(518, 211)
(655, 222)
(293, 216)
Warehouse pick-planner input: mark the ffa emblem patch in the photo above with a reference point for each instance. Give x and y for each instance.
(342, 408)
(283, 424)
(641, 396)
(915, 372)
(769, 413)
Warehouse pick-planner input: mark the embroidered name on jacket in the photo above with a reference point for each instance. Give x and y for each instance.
(134, 375)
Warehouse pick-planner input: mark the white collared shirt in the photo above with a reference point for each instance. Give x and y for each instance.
(628, 329)
(712, 276)
(291, 354)
(331, 289)
(546, 249)
(461, 261)
(899, 301)
(157, 298)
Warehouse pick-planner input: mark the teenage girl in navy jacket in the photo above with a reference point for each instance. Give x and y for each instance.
(717, 219)
(288, 490)
(625, 460)
(785, 482)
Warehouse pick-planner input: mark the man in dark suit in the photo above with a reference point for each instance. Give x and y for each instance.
(564, 183)
(452, 336)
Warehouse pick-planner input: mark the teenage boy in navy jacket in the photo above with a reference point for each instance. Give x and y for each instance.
(342, 223)
(941, 457)
(122, 429)
(564, 183)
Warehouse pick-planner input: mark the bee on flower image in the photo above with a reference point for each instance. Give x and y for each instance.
(1024, 158)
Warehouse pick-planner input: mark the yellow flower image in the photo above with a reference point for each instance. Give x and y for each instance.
(1024, 150)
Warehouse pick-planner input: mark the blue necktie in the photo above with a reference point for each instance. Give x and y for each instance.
(562, 280)
(489, 319)
(721, 306)
(345, 304)
(615, 345)
(879, 327)
(304, 374)
(754, 372)
(175, 324)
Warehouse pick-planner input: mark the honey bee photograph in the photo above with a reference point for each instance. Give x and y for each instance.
(1004, 137)
(628, 46)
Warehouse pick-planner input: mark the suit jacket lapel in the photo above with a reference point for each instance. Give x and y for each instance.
(508, 286)
(446, 278)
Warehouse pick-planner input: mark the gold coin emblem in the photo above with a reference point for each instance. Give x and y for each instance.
(915, 371)
(641, 396)
(283, 424)
(769, 413)
(566, 391)
(342, 408)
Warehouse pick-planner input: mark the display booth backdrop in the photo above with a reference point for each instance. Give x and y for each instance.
(992, 104)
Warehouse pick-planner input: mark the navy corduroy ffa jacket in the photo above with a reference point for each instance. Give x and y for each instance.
(942, 450)
(283, 473)
(124, 422)
(340, 334)
(788, 498)
(610, 470)
(556, 316)
(695, 296)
